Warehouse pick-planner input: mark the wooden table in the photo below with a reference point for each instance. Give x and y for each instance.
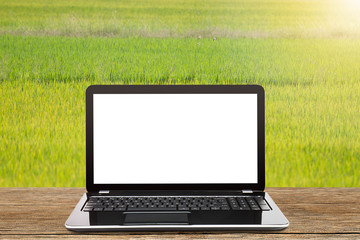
(328, 213)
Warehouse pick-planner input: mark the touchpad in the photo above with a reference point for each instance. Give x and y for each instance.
(156, 218)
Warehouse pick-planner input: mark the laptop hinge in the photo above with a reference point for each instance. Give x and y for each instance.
(104, 191)
(247, 191)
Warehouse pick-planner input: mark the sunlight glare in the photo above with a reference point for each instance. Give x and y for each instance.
(353, 5)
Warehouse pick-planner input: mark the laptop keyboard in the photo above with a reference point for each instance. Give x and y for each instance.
(195, 203)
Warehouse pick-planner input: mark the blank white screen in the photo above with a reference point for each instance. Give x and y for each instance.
(175, 138)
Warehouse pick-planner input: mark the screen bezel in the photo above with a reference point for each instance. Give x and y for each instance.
(175, 89)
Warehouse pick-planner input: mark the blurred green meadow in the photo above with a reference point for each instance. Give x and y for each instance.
(306, 54)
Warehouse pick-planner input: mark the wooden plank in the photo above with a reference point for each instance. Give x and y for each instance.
(314, 195)
(313, 213)
(182, 236)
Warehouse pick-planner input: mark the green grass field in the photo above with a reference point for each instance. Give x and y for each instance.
(306, 54)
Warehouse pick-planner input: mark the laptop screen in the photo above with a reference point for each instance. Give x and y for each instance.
(175, 138)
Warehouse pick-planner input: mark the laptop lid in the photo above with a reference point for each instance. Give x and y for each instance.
(175, 137)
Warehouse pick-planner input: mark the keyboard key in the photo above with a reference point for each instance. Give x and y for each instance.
(92, 203)
(265, 207)
(120, 209)
(97, 209)
(255, 208)
(215, 208)
(244, 208)
(195, 208)
(152, 209)
(184, 209)
(263, 204)
(244, 205)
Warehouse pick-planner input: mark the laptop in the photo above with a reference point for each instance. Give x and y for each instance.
(179, 157)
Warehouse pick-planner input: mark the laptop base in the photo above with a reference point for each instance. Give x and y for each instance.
(176, 220)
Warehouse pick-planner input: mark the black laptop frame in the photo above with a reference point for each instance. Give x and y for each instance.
(174, 89)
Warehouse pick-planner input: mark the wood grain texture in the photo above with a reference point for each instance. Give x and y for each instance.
(326, 213)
